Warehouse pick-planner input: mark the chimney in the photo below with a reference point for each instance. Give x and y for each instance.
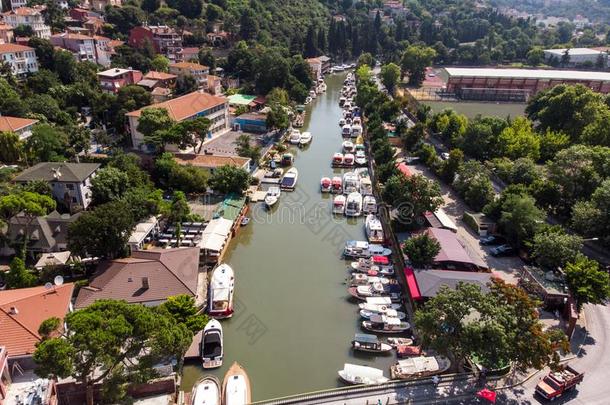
(145, 283)
(13, 311)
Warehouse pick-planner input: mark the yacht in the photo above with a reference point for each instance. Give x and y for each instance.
(357, 120)
(366, 187)
(348, 147)
(211, 345)
(360, 158)
(351, 182)
(325, 185)
(289, 181)
(369, 204)
(369, 343)
(337, 160)
(365, 279)
(378, 303)
(272, 196)
(346, 131)
(384, 324)
(206, 391)
(236, 386)
(339, 204)
(390, 312)
(305, 138)
(348, 160)
(222, 286)
(295, 137)
(337, 185)
(361, 292)
(373, 229)
(362, 249)
(353, 205)
(420, 366)
(356, 374)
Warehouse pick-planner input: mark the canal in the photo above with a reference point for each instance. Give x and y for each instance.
(294, 321)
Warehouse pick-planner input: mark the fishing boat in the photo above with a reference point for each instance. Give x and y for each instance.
(325, 185)
(294, 137)
(236, 386)
(360, 158)
(337, 185)
(356, 374)
(287, 159)
(365, 279)
(211, 345)
(337, 160)
(353, 205)
(365, 342)
(272, 196)
(206, 391)
(384, 324)
(373, 229)
(305, 138)
(351, 182)
(222, 285)
(419, 367)
(348, 160)
(367, 313)
(346, 130)
(339, 204)
(341, 122)
(348, 147)
(361, 292)
(362, 249)
(366, 187)
(289, 181)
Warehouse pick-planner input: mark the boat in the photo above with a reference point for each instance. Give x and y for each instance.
(367, 313)
(421, 366)
(289, 181)
(337, 160)
(346, 131)
(325, 185)
(348, 160)
(369, 205)
(342, 122)
(373, 228)
(360, 158)
(348, 147)
(312, 94)
(360, 140)
(365, 279)
(384, 324)
(308, 100)
(236, 386)
(356, 129)
(287, 159)
(397, 341)
(337, 185)
(342, 101)
(211, 345)
(348, 119)
(244, 221)
(356, 374)
(361, 292)
(366, 187)
(272, 196)
(353, 205)
(295, 137)
(222, 285)
(362, 249)
(357, 120)
(378, 265)
(351, 182)
(305, 138)
(206, 391)
(322, 87)
(339, 204)
(369, 343)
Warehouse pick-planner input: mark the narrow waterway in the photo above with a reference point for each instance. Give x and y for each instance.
(294, 321)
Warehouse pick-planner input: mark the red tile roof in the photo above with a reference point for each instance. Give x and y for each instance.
(210, 161)
(186, 106)
(9, 48)
(154, 75)
(12, 124)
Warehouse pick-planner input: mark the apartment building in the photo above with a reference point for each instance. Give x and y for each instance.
(21, 58)
(166, 40)
(29, 16)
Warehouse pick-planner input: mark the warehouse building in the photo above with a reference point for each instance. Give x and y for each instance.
(578, 56)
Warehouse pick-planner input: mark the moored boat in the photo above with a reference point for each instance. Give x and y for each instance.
(356, 129)
(351, 182)
(360, 158)
(212, 345)
(377, 263)
(365, 279)
(348, 160)
(305, 138)
(339, 204)
(369, 343)
(367, 313)
(356, 374)
(362, 249)
(206, 391)
(337, 160)
(369, 205)
(384, 324)
(236, 386)
(353, 205)
(337, 185)
(373, 228)
(377, 303)
(222, 285)
(366, 187)
(348, 147)
(287, 159)
(362, 292)
(346, 130)
(341, 122)
(289, 181)
(397, 341)
(419, 367)
(325, 185)
(272, 196)
(295, 137)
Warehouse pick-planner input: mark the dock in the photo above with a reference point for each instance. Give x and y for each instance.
(194, 350)
(258, 196)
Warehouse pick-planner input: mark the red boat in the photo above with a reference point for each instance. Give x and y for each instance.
(337, 185)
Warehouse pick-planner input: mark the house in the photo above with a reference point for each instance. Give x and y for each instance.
(480, 223)
(218, 38)
(46, 234)
(165, 40)
(6, 34)
(325, 61)
(188, 54)
(250, 122)
(577, 56)
(147, 277)
(199, 72)
(161, 79)
(214, 85)
(15, 4)
(21, 313)
(20, 126)
(100, 5)
(452, 255)
(425, 284)
(143, 232)
(83, 47)
(211, 162)
(112, 80)
(22, 59)
(29, 16)
(316, 67)
(160, 94)
(189, 106)
(70, 182)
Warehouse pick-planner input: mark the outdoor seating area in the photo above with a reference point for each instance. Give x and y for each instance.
(190, 235)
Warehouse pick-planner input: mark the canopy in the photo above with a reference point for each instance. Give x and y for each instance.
(381, 260)
(488, 395)
(412, 284)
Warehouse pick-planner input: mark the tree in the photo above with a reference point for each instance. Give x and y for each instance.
(248, 28)
(11, 147)
(65, 66)
(535, 56)
(414, 61)
(160, 63)
(230, 179)
(551, 143)
(150, 6)
(191, 133)
(46, 144)
(18, 276)
(413, 195)
(245, 149)
(179, 207)
(421, 250)
(206, 58)
(23, 31)
(155, 125)
(44, 51)
(185, 83)
(451, 166)
(413, 137)
(473, 184)
(365, 59)
(587, 283)
(390, 75)
(110, 184)
(519, 140)
(104, 339)
(183, 310)
(11, 102)
(553, 247)
(277, 118)
(520, 219)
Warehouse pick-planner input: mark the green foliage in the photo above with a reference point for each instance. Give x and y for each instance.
(230, 179)
(450, 125)
(18, 276)
(155, 125)
(160, 63)
(277, 118)
(473, 184)
(450, 167)
(185, 83)
(11, 148)
(413, 195)
(11, 103)
(245, 149)
(48, 327)
(184, 311)
(414, 61)
(520, 219)
(390, 75)
(171, 175)
(109, 184)
(481, 138)
(519, 140)
(179, 209)
(588, 283)
(553, 247)
(47, 144)
(421, 250)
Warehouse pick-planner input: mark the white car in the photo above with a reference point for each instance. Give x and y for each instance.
(445, 156)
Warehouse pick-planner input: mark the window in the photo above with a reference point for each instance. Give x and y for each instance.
(73, 199)
(70, 186)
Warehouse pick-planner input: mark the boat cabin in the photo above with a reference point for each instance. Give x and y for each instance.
(365, 341)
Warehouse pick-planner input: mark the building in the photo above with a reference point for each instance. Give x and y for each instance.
(84, 47)
(161, 79)
(199, 72)
(22, 59)
(166, 40)
(29, 16)
(188, 54)
(578, 56)
(452, 255)
(517, 84)
(100, 5)
(251, 122)
(189, 106)
(112, 80)
(211, 162)
(147, 277)
(325, 61)
(6, 34)
(20, 126)
(316, 67)
(425, 284)
(70, 182)
(143, 233)
(214, 85)
(15, 4)
(439, 219)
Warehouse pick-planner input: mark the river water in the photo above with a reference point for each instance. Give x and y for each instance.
(294, 322)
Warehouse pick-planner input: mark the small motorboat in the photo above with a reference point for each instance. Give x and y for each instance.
(351, 182)
(305, 138)
(361, 292)
(373, 229)
(289, 181)
(367, 314)
(342, 101)
(236, 386)
(360, 140)
(360, 158)
(342, 122)
(339, 204)
(348, 147)
(366, 187)
(312, 94)
(308, 100)
(369, 343)
(206, 391)
(337, 160)
(325, 185)
(357, 120)
(287, 159)
(419, 367)
(337, 185)
(395, 342)
(384, 324)
(365, 279)
(356, 374)
(356, 130)
(353, 205)
(244, 221)
(346, 130)
(348, 160)
(375, 303)
(362, 249)
(377, 265)
(369, 205)
(348, 118)
(272, 196)
(222, 286)
(295, 137)
(403, 351)
(211, 345)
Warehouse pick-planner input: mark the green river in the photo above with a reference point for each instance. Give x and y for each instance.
(293, 320)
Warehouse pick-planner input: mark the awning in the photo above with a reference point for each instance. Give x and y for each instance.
(412, 284)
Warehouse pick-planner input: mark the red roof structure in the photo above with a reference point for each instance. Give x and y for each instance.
(452, 255)
(412, 284)
(404, 169)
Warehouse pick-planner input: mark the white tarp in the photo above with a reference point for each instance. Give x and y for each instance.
(215, 234)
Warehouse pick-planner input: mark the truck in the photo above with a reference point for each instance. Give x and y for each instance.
(556, 383)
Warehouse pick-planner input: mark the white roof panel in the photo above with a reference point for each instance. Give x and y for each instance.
(529, 74)
(574, 51)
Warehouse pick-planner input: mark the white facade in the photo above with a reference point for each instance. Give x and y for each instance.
(21, 59)
(30, 17)
(578, 56)
(18, 3)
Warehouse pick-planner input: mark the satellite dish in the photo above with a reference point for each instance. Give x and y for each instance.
(59, 280)
(48, 286)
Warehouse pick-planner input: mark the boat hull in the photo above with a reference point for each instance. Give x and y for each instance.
(236, 386)
(206, 392)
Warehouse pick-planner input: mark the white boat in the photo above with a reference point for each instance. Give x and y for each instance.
(365, 279)
(348, 147)
(395, 342)
(351, 182)
(206, 391)
(337, 160)
(360, 158)
(295, 137)
(342, 122)
(362, 249)
(379, 264)
(322, 87)
(211, 345)
(337, 185)
(365, 342)
(222, 286)
(356, 129)
(373, 228)
(348, 120)
(367, 313)
(236, 386)
(420, 366)
(325, 185)
(353, 205)
(366, 187)
(385, 324)
(312, 94)
(373, 303)
(305, 138)
(348, 160)
(361, 292)
(342, 101)
(356, 374)
(308, 100)
(339, 204)
(357, 120)
(346, 131)
(272, 196)
(369, 205)
(289, 181)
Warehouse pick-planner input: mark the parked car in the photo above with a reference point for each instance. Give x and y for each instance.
(445, 156)
(491, 240)
(503, 250)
